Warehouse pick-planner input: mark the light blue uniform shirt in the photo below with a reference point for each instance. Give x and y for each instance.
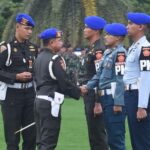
(133, 74)
(107, 75)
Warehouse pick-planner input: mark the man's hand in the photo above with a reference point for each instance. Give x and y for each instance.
(83, 90)
(24, 76)
(117, 109)
(141, 114)
(97, 109)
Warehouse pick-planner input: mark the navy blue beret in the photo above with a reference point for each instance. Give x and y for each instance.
(25, 19)
(138, 18)
(50, 33)
(94, 22)
(116, 29)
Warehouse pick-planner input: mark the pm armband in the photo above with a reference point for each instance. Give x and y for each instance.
(120, 63)
(145, 59)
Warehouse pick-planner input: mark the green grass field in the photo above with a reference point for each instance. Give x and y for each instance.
(73, 135)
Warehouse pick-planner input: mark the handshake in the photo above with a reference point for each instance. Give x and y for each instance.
(83, 89)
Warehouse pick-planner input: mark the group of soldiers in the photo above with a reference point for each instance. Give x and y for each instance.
(116, 81)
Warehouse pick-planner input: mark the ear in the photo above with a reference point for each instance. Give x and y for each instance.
(141, 27)
(51, 42)
(17, 25)
(97, 31)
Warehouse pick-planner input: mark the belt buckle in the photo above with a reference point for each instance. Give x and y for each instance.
(100, 92)
(127, 87)
(23, 85)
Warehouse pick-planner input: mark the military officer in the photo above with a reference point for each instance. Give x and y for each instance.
(16, 60)
(109, 78)
(96, 129)
(52, 84)
(137, 82)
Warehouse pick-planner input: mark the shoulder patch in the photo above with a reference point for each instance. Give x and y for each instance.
(2, 48)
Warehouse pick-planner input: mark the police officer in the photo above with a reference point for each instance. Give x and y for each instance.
(111, 85)
(96, 129)
(16, 60)
(52, 84)
(137, 82)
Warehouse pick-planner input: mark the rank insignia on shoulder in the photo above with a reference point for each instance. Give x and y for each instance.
(32, 48)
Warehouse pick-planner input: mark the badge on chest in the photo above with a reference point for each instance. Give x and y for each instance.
(99, 55)
(97, 64)
(145, 59)
(120, 63)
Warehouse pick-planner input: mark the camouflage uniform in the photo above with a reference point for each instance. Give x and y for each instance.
(72, 63)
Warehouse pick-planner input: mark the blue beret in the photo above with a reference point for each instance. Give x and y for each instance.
(50, 33)
(138, 18)
(116, 29)
(25, 20)
(94, 22)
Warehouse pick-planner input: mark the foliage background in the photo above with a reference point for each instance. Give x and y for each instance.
(67, 15)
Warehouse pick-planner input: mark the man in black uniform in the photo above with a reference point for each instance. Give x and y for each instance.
(93, 109)
(16, 59)
(52, 84)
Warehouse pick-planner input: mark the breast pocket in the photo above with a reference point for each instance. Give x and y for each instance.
(107, 68)
(131, 58)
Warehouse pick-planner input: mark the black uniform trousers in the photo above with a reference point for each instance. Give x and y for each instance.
(47, 126)
(17, 111)
(96, 127)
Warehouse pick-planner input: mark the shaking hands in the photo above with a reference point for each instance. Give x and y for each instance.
(84, 90)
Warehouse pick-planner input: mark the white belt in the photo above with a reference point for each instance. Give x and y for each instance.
(20, 85)
(105, 92)
(44, 97)
(133, 86)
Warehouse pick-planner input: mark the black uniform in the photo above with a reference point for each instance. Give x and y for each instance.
(17, 108)
(48, 126)
(96, 128)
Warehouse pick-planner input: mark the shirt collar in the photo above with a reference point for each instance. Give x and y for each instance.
(141, 40)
